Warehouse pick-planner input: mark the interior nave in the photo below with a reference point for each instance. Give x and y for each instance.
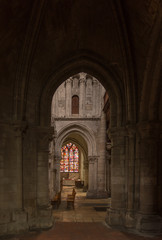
(80, 105)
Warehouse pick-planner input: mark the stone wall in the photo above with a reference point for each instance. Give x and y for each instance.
(89, 91)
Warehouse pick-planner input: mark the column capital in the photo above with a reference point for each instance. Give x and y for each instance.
(94, 81)
(69, 80)
(83, 76)
(82, 80)
(44, 136)
(108, 146)
(92, 159)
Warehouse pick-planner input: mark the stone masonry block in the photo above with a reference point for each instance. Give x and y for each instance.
(5, 216)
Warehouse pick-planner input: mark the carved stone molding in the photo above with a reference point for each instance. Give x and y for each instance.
(82, 77)
(82, 80)
(94, 81)
(76, 119)
(108, 146)
(69, 80)
(92, 159)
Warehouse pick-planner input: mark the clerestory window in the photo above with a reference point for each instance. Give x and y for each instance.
(75, 104)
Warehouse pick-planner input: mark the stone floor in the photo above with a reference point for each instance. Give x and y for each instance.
(86, 221)
(84, 208)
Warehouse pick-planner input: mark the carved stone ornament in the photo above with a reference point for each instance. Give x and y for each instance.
(108, 146)
(69, 80)
(82, 79)
(92, 159)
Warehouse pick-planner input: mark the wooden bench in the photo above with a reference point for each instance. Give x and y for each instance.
(56, 201)
(71, 199)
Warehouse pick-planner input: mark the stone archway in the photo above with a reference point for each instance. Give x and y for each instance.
(43, 133)
(87, 141)
(80, 142)
(118, 131)
(125, 185)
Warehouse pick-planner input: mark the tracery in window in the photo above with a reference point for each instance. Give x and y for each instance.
(75, 104)
(69, 158)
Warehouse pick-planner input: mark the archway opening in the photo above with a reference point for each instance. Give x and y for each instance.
(117, 133)
(79, 114)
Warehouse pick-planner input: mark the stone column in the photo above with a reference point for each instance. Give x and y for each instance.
(57, 159)
(85, 175)
(44, 210)
(12, 214)
(3, 137)
(94, 96)
(108, 168)
(148, 219)
(130, 173)
(68, 97)
(101, 183)
(92, 183)
(18, 130)
(116, 214)
(82, 94)
(53, 169)
(99, 100)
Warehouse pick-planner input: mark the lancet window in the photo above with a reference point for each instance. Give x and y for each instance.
(69, 158)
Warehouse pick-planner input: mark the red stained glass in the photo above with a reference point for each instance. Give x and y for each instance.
(70, 158)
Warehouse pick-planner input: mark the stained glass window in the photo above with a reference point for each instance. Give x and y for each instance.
(69, 158)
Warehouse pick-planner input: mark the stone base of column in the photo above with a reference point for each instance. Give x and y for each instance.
(150, 224)
(91, 194)
(43, 220)
(97, 194)
(102, 194)
(85, 188)
(13, 222)
(130, 220)
(137, 223)
(115, 217)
